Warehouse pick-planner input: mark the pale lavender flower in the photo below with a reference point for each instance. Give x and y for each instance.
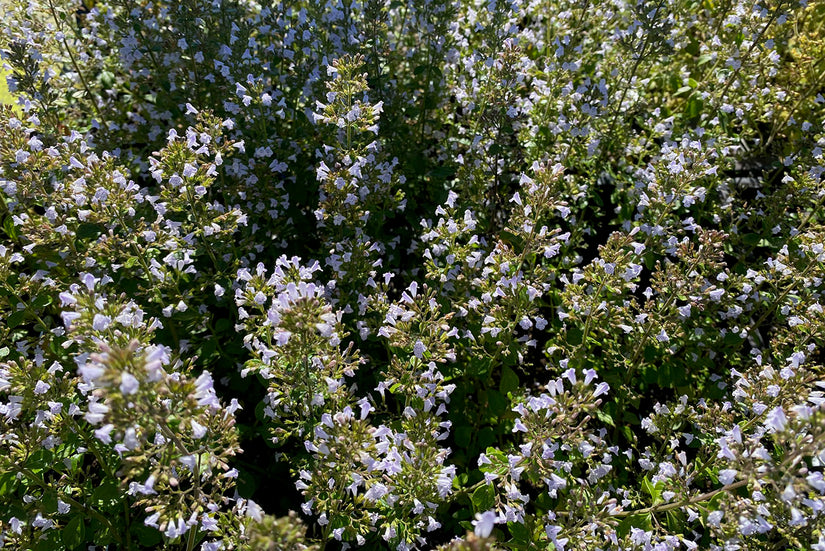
(104, 433)
(128, 383)
(727, 476)
(484, 523)
(601, 388)
(205, 391)
(101, 322)
(198, 430)
(776, 420)
(376, 492)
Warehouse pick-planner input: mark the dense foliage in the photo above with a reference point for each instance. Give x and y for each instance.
(402, 274)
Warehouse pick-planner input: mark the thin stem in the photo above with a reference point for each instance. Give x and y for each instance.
(776, 303)
(67, 498)
(191, 202)
(92, 444)
(802, 97)
(640, 346)
(77, 68)
(618, 107)
(748, 53)
(26, 307)
(684, 503)
(590, 314)
(196, 478)
(191, 538)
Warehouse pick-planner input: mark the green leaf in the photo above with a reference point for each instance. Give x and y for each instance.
(129, 285)
(10, 228)
(574, 336)
(675, 521)
(605, 417)
(88, 231)
(222, 325)
(107, 79)
(247, 483)
(670, 376)
(16, 318)
(653, 490)
(339, 521)
(74, 533)
(509, 381)
(106, 494)
(463, 435)
(486, 436)
(49, 542)
(512, 239)
(694, 107)
(484, 498)
(496, 455)
(208, 348)
(497, 402)
(519, 532)
(643, 522)
(39, 460)
(7, 483)
(732, 339)
(146, 535)
(751, 239)
(4, 352)
(704, 59)
(41, 301)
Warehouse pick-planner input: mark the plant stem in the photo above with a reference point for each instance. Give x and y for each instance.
(77, 68)
(695, 499)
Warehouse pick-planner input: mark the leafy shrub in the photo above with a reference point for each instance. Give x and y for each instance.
(412, 274)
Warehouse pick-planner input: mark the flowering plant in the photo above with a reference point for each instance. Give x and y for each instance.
(412, 274)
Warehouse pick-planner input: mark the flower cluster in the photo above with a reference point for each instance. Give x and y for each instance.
(416, 274)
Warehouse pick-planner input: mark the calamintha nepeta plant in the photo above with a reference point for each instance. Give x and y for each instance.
(412, 275)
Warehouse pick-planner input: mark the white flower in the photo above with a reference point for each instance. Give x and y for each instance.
(716, 294)
(67, 299)
(205, 391)
(376, 492)
(601, 388)
(174, 529)
(128, 383)
(776, 420)
(419, 349)
(198, 430)
(152, 520)
(484, 523)
(189, 461)
(727, 476)
(96, 412)
(101, 322)
(104, 433)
